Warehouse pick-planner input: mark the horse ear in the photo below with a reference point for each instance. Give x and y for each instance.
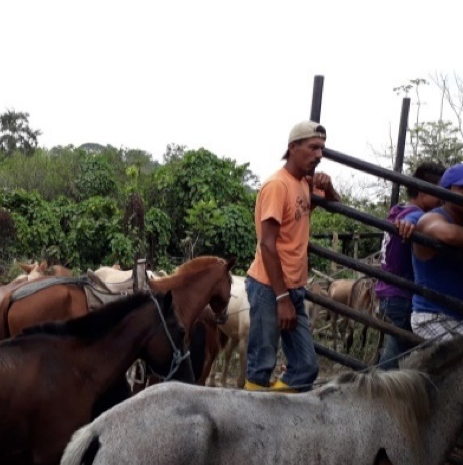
(43, 266)
(231, 263)
(26, 268)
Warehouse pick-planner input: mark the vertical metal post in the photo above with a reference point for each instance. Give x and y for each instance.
(399, 159)
(316, 110)
(335, 247)
(356, 238)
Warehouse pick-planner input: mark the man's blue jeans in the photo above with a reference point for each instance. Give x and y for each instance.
(398, 310)
(264, 334)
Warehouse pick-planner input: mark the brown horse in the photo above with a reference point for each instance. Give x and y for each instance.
(206, 341)
(54, 376)
(197, 283)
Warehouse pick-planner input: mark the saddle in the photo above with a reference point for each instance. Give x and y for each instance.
(97, 292)
(100, 293)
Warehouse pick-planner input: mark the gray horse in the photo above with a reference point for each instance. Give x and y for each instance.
(409, 417)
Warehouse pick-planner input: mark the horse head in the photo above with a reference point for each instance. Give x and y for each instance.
(34, 270)
(196, 283)
(167, 337)
(220, 297)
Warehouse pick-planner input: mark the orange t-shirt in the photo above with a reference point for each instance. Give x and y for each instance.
(287, 200)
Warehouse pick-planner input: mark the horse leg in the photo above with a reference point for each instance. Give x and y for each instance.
(350, 335)
(210, 358)
(231, 344)
(375, 359)
(211, 350)
(334, 329)
(242, 347)
(364, 336)
(343, 331)
(211, 379)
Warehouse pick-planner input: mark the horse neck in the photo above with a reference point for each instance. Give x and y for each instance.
(110, 356)
(191, 293)
(446, 422)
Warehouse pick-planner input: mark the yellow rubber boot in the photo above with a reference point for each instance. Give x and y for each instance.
(281, 386)
(250, 386)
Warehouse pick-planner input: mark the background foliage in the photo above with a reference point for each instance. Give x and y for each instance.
(93, 204)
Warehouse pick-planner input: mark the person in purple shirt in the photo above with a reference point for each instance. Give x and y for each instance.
(396, 257)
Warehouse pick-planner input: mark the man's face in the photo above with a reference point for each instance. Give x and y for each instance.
(306, 154)
(429, 201)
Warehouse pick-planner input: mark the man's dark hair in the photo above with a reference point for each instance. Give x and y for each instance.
(319, 128)
(428, 171)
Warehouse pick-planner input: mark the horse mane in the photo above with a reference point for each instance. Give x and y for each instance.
(407, 392)
(436, 359)
(198, 264)
(183, 273)
(95, 324)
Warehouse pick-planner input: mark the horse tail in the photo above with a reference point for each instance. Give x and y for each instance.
(82, 448)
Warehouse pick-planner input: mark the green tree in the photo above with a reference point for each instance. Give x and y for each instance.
(16, 134)
(96, 177)
(7, 238)
(158, 228)
(438, 139)
(195, 188)
(37, 222)
(51, 173)
(203, 220)
(141, 160)
(174, 152)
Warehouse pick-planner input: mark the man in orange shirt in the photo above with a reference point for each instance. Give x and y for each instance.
(278, 274)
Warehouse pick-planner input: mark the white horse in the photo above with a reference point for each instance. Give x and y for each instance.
(236, 329)
(410, 416)
(32, 271)
(113, 274)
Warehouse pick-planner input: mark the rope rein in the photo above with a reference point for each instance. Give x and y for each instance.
(177, 357)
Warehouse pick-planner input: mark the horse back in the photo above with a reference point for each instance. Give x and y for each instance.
(5, 298)
(55, 303)
(340, 290)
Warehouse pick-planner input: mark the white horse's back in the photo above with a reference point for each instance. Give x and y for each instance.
(177, 423)
(111, 275)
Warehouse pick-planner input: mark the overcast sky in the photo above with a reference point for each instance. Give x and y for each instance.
(232, 77)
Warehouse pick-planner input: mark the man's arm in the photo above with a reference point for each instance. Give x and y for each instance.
(322, 182)
(272, 264)
(436, 226)
(407, 225)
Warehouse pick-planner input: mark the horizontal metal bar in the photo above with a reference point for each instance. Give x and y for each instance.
(349, 236)
(398, 178)
(419, 238)
(450, 302)
(343, 359)
(368, 320)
